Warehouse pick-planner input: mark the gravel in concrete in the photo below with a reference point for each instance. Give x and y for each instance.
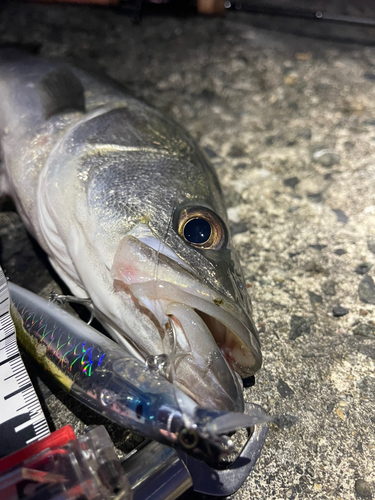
(287, 114)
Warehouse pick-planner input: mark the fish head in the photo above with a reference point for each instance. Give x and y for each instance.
(180, 267)
(149, 242)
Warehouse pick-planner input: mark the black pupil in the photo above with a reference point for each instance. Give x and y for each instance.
(197, 231)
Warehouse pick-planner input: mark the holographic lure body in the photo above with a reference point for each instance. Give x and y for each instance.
(103, 376)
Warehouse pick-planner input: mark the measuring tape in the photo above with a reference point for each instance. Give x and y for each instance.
(22, 420)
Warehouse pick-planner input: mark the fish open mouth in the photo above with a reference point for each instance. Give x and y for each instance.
(207, 339)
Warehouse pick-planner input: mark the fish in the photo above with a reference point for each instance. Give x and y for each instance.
(105, 377)
(131, 215)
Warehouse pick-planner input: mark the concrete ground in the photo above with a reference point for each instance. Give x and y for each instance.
(286, 111)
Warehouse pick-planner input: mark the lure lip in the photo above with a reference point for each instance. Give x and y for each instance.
(207, 438)
(209, 480)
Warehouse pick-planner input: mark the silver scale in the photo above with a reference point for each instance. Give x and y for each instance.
(155, 471)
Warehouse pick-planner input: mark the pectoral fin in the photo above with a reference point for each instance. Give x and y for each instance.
(61, 91)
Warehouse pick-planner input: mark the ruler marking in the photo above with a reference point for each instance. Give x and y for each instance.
(29, 441)
(9, 359)
(39, 426)
(19, 372)
(14, 393)
(25, 424)
(7, 337)
(21, 404)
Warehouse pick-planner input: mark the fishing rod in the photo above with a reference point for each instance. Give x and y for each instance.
(316, 15)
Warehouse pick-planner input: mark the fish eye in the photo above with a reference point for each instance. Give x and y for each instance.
(188, 438)
(201, 228)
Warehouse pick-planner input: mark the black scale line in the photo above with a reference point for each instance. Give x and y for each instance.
(21, 389)
(7, 337)
(9, 359)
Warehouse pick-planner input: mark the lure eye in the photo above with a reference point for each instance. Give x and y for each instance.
(139, 411)
(201, 228)
(188, 438)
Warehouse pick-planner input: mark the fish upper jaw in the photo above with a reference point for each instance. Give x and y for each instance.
(205, 337)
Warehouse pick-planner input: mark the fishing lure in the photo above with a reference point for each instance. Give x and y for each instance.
(105, 377)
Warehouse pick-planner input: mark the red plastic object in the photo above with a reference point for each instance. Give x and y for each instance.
(58, 438)
(65, 467)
